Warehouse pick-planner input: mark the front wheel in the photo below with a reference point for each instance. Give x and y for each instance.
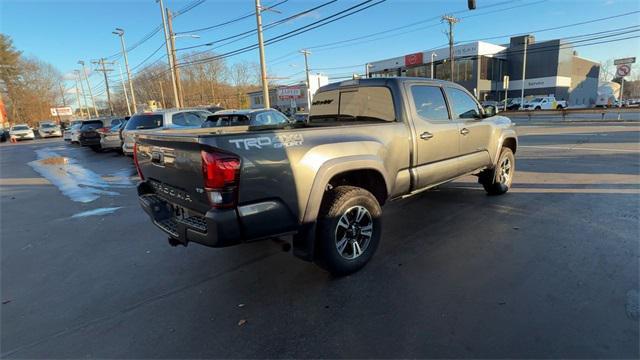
(349, 229)
(498, 181)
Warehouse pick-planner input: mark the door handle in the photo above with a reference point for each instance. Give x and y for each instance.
(464, 131)
(426, 135)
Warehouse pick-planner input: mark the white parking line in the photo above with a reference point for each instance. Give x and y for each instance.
(577, 148)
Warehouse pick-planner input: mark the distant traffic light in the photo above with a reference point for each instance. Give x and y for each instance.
(472, 4)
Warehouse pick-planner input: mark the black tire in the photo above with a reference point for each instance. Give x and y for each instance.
(346, 202)
(559, 107)
(538, 108)
(494, 181)
(96, 148)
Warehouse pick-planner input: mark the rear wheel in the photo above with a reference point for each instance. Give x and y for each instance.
(538, 108)
(96, 148)
(498, 181)
(349, 229)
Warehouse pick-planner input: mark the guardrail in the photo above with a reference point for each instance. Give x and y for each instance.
(590, 114)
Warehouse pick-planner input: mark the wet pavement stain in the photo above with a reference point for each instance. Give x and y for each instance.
(97, 212)
(73, 180)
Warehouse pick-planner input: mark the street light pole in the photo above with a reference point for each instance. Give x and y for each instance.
(93, 100)
(433, 55)
(524, 69)
(78, 97)
(167, 40)
(124, 88)
(263, 65)
(120, 33)
(84, 96)
(306, 53)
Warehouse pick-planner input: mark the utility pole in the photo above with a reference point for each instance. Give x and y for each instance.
(64, 101)
(176, 71)
(93, 100)
(162, 94)
(306, 53)
(84, 97)
(524, 70)
(176, 99)
(124, 89)
(78, 99)
(451, 20)
(104, 71)
(120, 33)
(263, 65)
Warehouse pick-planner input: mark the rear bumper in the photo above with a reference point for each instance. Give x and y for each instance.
(110, 144)
(127, 148)
(89, 141)
(217, 228)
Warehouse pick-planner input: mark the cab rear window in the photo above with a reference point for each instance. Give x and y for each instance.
(91, 125)
(364, 104)
(145, 121)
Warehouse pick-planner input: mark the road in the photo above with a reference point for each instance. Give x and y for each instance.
(548, 270)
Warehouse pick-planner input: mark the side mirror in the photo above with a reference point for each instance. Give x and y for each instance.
(490, 111)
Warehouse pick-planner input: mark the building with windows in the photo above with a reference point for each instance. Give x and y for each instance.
(552, 68)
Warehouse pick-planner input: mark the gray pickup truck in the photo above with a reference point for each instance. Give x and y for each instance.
(325, 180)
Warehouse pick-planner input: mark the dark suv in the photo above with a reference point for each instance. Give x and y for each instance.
(89, 135)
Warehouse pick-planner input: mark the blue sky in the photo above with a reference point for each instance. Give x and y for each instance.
(62, 32)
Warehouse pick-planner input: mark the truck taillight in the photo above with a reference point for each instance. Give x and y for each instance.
(135, 160)
(221, 172)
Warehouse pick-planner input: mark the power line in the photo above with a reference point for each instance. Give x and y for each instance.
(245, 34)
(149, 57)
(420, 22)
(242, 17)
(322, 22)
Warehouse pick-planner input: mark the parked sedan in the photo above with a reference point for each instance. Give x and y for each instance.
(21, 132)
(111, 138)
(88, 134)
(49, 129)
(158, 120)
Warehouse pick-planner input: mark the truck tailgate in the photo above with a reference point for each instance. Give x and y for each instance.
(173, 167)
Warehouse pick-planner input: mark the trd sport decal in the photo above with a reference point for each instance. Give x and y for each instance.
(276, 141)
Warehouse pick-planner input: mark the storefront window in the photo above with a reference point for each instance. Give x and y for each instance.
(492, 68)
(418, 71)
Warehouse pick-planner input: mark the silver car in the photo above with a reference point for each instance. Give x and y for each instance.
(111, 138)
(160, 119)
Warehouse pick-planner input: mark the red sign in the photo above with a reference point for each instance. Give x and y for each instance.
(413, 59)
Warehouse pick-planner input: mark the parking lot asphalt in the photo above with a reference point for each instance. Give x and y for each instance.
(548, 270)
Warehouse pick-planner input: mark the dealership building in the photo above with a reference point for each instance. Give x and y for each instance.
(553, 67)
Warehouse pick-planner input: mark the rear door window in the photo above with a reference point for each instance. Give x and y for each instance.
(269, 118)
(463, 106)
(145, 121)
(364, 104)
(429, 103)
(226, 120)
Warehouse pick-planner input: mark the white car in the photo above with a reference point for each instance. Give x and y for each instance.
(545, 103)
(161, 120)
(71, 135)
(21, 132)
(49, 129)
